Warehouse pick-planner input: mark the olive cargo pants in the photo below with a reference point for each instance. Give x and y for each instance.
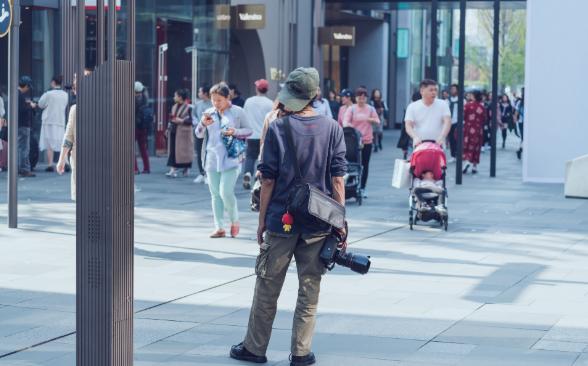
(271, 268)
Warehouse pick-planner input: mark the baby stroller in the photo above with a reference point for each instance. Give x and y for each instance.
(428, 197)
(354, 168)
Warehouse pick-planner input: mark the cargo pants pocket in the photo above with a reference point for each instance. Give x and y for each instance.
(262, 259)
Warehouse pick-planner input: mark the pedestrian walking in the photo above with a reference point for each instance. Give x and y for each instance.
(69, 146)
(180, 140)
(54, 105)
(318, 145)
(25, 122)
(453, 108)
(428, 119)
(321, 105)
(219, 123)
(507, 117)
(404, 141)
(520, 119)
(236, 97)
(377, 102)
(475, 116)
(445, 95)
(362, 117)
(256, 108)
(346, 103)
(201, 105)
(334, 104)
(487, 102)
(143, 123)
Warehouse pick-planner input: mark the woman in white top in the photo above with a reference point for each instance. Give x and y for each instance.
(224, 119)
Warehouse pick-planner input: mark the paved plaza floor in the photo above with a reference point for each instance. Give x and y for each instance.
(506, 285)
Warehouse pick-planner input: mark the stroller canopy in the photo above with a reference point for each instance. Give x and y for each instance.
(428, 157)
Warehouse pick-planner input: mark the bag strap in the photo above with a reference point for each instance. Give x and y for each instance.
(292, 147)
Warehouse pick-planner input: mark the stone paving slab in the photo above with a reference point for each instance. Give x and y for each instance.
(505, 286)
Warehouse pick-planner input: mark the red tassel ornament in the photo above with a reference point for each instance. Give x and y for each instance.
(288, 221)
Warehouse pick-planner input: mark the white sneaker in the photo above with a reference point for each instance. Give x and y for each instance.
(199, 179)
(451, 160)
(365, 195)
(247, 181)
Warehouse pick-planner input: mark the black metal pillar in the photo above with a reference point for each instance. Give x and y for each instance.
(105, 199)
(461, 83)
(13, 75)
(434, 39)
(495, 76)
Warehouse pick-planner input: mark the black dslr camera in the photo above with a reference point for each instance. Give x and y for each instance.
(331, 255)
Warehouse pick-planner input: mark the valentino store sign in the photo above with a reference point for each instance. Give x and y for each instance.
(240, 16)
(337, 36)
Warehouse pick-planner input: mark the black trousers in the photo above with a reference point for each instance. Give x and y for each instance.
(366, 155)
(452, 140)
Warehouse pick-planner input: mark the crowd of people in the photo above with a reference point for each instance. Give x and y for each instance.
(296, 139)
(477, 116)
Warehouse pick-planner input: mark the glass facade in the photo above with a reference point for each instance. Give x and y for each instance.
(178, 46)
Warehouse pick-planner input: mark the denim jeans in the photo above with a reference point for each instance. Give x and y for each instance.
(24, 148)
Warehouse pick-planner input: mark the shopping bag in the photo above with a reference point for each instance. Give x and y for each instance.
(401, 176)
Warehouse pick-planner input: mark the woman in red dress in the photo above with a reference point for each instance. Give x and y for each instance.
(474, 118)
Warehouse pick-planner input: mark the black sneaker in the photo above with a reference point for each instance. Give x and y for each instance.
(50, 169)
(239, 352)
(309, 359)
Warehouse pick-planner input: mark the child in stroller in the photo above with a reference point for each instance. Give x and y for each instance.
(428, 192)
(354, 169)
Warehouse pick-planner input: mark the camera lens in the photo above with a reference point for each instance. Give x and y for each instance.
(355, 262)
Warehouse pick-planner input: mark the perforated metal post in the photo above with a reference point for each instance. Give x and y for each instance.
(105, 189)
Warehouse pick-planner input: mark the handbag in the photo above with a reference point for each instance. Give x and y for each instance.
(307, 204)
(401, 176)
(235, 146)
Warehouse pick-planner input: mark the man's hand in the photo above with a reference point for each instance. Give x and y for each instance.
(260, 231)
(440, 141)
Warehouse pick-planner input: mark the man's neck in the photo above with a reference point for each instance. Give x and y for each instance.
(428, 102)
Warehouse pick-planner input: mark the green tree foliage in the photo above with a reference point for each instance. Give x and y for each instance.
(512, 46)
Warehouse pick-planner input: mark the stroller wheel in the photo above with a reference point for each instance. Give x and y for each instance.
(411, 220)
(359, 199)
(446, 223)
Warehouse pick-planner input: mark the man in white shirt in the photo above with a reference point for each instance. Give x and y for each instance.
(429, 118)
(54, 104)
(321, 105)
(256, 108)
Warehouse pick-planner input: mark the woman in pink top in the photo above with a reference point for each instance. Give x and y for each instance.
(346, 102)
(361, 116)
